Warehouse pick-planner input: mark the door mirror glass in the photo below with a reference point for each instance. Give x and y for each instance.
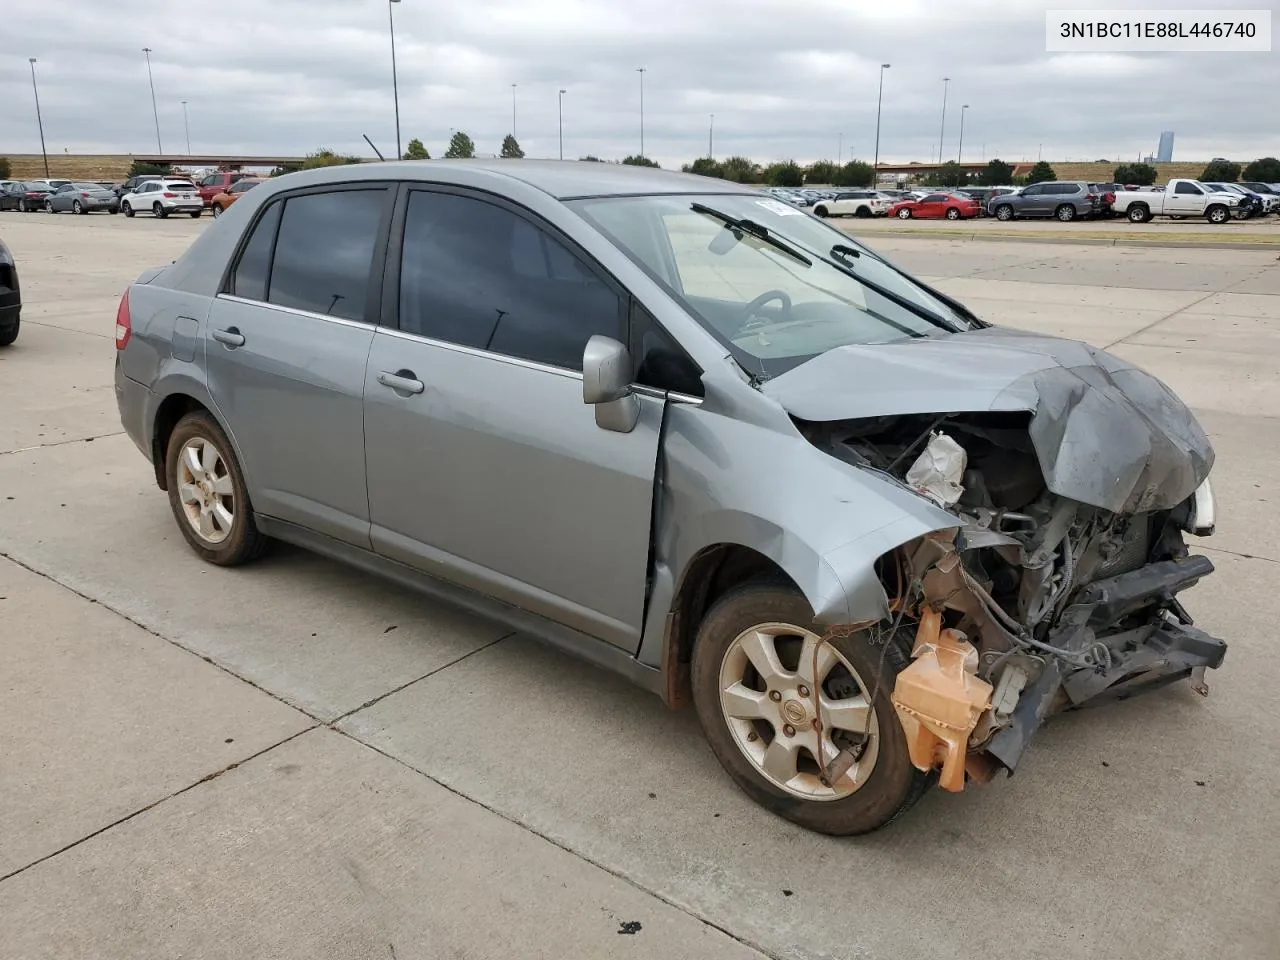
(606, 384)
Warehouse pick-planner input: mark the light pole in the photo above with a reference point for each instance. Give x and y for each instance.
(39, 119)
(946, 81)
(562, 93)
(186, 126)
(641, 71)
(875, 164)
(840, 150)
(711, 139)
(154, 109)
(395, 83)
(960, 149)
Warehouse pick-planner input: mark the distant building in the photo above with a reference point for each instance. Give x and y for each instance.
(1164, 152)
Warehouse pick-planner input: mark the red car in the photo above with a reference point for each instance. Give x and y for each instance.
(952, 206)
(217, 183)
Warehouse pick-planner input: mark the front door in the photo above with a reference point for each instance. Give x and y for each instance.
(1186, 200)
(485, 466)
(285, 350)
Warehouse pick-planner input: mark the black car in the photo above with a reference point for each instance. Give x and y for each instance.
(25, 197)
(132, 184)
(10, 297)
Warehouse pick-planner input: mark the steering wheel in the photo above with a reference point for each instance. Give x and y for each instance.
(750, 309)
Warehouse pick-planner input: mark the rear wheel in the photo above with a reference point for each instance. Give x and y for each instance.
(9, 334)
(1065, 213)
(1139, 213)
(778, 708)
(195, 214)
(158, 210)
(207, 493)
(217, 210)
(821, 211)
(1004, 212)
(864, 212)
(77, 207)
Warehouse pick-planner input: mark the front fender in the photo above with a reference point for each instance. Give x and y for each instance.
(824, 522)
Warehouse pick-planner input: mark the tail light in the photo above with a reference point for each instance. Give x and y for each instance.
(168, 194)
(1109, 198)
(124, 323)
(85, 195)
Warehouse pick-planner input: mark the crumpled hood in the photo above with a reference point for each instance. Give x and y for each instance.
(1105, 433)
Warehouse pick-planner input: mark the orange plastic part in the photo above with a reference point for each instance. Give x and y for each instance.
(939, 699)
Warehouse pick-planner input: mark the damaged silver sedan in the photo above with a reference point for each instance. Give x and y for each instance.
(693, 435)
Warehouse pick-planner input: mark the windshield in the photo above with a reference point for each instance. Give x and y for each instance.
(777, 293)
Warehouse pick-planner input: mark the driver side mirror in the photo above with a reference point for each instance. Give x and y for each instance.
(606, 384)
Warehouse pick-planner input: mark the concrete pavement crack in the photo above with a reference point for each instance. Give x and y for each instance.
(612, 871)
(1156, 323)
(62, 443)
(1238, 554)
(155, 803)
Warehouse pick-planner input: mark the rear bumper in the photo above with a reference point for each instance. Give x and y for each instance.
(135, 403)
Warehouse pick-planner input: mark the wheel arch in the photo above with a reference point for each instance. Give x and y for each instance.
(172, 408)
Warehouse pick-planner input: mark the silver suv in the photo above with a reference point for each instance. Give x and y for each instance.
(699, 438)
(1065, 200)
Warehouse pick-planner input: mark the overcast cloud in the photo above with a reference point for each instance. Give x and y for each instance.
(784, 79)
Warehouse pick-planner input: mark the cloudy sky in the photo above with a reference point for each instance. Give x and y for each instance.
(783, 79)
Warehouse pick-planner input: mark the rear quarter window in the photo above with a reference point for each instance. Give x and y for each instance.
(253, 269)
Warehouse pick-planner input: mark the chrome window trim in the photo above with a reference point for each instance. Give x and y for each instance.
(487, 354)
(296, 312)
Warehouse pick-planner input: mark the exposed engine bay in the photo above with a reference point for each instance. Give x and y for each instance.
(1036, 602)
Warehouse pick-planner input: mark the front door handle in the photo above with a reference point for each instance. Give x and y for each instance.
(231, 337)
(402, 381)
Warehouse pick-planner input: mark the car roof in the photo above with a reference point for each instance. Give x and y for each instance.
(562, 179)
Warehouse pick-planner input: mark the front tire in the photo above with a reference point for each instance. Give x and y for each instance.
(128, 210)
(904, 214)
(759, 720)
(953, 213)
(1217, 214)
(48, 207)
(207, 493)
(9, 334)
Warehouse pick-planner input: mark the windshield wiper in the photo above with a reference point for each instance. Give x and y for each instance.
(757, 230)
(837, 259)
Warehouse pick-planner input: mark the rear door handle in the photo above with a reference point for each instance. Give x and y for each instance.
(402, 381)
(231, 337)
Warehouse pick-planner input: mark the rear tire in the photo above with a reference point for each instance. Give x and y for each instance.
(872, 798)
(1139, 213)
(9, 334)
(1065, 213)
(78, 208)
(1004, 213)
(228, 545)
(864, 212)
(158, 211)
(195, 214)
(821, 211)
(217, 211)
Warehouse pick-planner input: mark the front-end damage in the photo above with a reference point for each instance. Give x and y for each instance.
(1037, 601)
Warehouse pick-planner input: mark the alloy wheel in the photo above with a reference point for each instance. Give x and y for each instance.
(792, 705)
(206, 490)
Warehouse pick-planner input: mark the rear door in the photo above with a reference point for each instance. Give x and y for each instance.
(485, 466)
(285, 348)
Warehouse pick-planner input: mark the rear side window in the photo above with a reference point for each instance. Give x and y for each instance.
(479, 275)
(324, 252)
(249, 280)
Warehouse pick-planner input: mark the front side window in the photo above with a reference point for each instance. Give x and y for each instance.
(1185, 187)
(324, 252)
(209, 181)
(480, 275)
(770, 308)
(243, 186)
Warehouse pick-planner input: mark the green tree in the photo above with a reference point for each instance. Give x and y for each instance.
(324, 157)
(1041, 172)
(997, 174)
(511, 148)
(416, 151)
(950, 174)
(740, 170)
(1140, 174)
(704, 167)
(635, 160)
(5, 169)
(823, 171)
(784, 173)
(139, 169)
(1266, 170)
(591, 159)
(1221, 171)
(855, 173)
(461, 147)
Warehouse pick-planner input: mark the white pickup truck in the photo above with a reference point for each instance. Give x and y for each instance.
(1179, 198)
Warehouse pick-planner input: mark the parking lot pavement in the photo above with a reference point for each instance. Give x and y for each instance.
(443, 788)
(1262, 230)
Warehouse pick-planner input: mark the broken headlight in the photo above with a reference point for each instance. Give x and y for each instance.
(1204, 511)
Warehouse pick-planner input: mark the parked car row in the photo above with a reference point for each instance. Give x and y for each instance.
(159, 196)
